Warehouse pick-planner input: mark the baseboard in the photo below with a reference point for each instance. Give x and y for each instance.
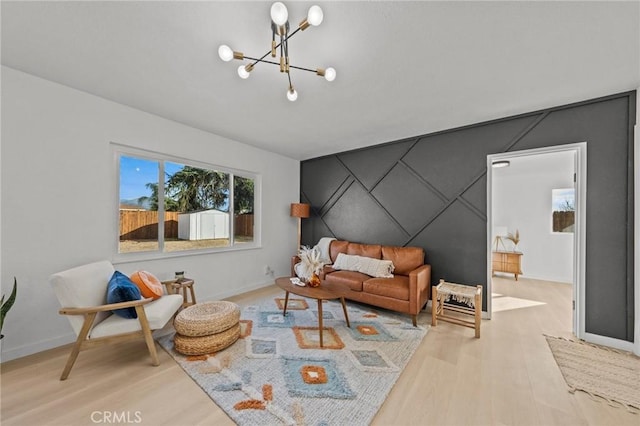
(43, 345)
(238, 290)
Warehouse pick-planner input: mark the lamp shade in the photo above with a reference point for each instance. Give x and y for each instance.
(225, 53)
(315, 15)
(301, 210)
(292, 95)
(279, 13)
(330, 74)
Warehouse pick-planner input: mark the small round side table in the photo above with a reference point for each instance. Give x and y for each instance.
(174, 286)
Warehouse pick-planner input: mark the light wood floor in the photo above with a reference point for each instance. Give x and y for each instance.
(507, 377)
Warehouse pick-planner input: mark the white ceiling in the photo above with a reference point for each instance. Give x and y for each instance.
(403, 68)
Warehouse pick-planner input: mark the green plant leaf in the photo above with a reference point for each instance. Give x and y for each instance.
(9, 303)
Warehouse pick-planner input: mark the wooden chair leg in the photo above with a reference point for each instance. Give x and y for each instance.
(84, 332)
(148, 338)
(414, 319)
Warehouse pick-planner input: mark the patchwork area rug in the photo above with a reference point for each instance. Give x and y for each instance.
(276, 373)
(599, 371)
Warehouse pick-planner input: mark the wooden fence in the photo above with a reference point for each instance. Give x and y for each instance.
(243, 225)
(143, 225)
(563, 220)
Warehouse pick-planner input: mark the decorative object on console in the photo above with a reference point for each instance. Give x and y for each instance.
(301, 211)
(515, 239)
(499, 232)
(280, 28)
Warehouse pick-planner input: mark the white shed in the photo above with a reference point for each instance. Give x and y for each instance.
(203, 225)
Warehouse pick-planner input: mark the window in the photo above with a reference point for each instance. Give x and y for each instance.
(173, 206)
(563, 202)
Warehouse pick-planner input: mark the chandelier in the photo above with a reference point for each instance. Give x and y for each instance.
(280, 28)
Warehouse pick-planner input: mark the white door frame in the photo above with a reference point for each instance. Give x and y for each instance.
(579, 240)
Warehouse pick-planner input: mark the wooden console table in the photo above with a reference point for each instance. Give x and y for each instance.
(507, 261)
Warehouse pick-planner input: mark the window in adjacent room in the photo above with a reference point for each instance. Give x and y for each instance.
(193, 207)
(563, 202)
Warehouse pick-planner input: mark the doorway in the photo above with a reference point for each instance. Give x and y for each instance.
(563, 258)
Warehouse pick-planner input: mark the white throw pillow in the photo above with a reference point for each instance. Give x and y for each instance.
(366, 265)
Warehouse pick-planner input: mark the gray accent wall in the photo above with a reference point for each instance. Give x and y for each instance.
(430, 191)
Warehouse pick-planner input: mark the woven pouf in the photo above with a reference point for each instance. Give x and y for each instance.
(206, 327)
(204, 319)
(200, 345)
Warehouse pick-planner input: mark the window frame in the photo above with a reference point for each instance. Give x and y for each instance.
(128, 151)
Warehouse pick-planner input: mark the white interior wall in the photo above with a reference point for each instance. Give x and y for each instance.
(522, 200)
(58, 189)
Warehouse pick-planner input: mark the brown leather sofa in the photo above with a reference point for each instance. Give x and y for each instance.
(406, 292)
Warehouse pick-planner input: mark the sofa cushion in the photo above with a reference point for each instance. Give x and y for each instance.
(367, 265)
(405, 259)
(351, 279)
(122, 289)
(159, 313)
(149, 285)
(396, 287)
(366, 250)
(336, 248)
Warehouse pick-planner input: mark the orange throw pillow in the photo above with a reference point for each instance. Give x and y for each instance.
(149, 285)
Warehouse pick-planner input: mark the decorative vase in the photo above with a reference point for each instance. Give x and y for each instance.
(314, 281)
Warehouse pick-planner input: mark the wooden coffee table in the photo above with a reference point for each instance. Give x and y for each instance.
(326, 291)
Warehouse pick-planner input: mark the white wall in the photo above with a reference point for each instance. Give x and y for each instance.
(58, 190)
(522, 200)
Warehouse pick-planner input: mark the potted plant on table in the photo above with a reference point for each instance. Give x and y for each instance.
(310, 265)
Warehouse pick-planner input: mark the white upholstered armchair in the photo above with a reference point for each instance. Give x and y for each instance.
(82, 293)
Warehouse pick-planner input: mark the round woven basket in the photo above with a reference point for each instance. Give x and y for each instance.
(203, 319)
(201, 345)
